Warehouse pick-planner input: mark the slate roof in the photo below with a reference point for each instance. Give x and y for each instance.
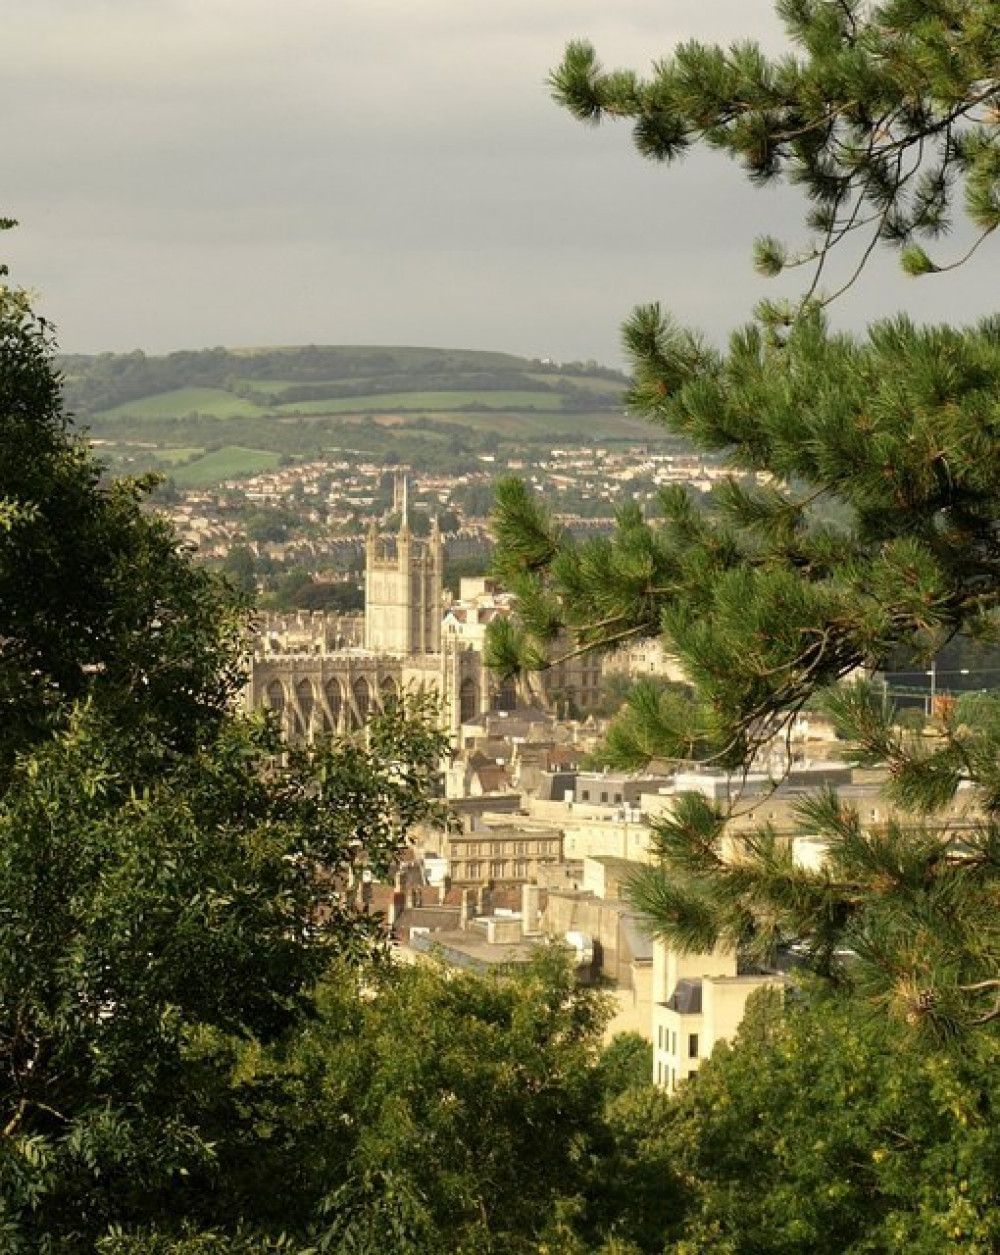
(686, 998)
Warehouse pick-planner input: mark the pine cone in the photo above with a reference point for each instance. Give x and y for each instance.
(922, 1002)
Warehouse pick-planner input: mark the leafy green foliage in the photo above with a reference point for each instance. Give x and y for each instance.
(96, 600)
(148, 922)
(206, 1242)
(637, 1195)
(423, 1110)
(626, 1063)
(821, 1129)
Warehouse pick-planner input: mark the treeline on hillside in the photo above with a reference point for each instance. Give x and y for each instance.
(93, 384)
(425, 445)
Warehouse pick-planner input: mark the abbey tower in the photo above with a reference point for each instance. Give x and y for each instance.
(323, 674)
(403, 592)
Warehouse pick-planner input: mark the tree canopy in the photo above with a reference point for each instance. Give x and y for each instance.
(173, 879)
(822, 1129)
(97, 601)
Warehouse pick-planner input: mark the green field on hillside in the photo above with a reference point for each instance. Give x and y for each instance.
(521, 425)
(425, 402)
(230, 462)
(215, 402)
(583, 383)
(434, 409)
(172, 457)
(604, 388)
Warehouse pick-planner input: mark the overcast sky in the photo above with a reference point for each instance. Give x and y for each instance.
(190, 173)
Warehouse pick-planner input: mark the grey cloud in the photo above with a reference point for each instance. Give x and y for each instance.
(210, 171)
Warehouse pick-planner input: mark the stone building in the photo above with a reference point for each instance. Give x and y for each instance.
(508, 851)
(698, 1000)
(326, 674)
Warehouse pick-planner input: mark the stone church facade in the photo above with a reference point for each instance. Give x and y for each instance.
(324, 673)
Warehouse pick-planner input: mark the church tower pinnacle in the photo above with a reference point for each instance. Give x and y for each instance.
(403, 589)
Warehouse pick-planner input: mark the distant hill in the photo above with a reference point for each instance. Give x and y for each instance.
(338, 380)
(417, 404)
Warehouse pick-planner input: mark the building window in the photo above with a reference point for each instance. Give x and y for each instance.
(604, 796)
(692, 1045)
(468, 700)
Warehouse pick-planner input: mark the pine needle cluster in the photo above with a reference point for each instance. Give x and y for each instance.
(884, 114)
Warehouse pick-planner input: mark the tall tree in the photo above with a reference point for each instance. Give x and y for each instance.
(97, 601)
(766, 599)
(173, 879)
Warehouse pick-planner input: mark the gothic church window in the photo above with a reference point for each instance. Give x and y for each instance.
(362, 697)
(334, 702)
(306, 701)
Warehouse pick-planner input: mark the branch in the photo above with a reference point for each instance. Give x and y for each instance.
(979, 985)
(14, 1123)
(589, 648)
(960, 261)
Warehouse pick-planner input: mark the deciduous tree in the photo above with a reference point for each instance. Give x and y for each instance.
(97, 601)
(822, 1129)
(173, 879)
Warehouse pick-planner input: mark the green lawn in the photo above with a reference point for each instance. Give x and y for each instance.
(231, 462)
